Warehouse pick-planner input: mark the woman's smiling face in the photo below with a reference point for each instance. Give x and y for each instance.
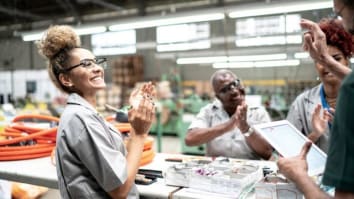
(87, 80)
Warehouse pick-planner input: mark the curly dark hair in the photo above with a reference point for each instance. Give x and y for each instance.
(337, 36)
(56, 44)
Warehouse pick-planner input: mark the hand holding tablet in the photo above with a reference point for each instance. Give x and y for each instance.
(288, 141)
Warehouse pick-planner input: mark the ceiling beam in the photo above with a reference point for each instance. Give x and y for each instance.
(67, 5)
(141, 7)
(16, 12)
(106, 5)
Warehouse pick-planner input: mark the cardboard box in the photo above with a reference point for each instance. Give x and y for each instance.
(274, 187)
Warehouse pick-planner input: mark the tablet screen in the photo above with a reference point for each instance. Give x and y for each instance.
(288, 141)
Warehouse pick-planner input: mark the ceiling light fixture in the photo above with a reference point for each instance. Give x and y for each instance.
(257, 57)
(201, 60)
(37, 35)
(149, 22)
(271, 9)
(206, 60)
(257, 64)
(301, 55)
(269, 40)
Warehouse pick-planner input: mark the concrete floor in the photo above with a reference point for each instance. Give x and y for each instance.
(169, 144)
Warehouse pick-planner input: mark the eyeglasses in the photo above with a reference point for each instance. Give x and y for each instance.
(89, 63)
(231, 85)
(336, 15)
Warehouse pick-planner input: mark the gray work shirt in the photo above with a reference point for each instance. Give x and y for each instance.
(230, 144)
(90, 153)
(300, 115)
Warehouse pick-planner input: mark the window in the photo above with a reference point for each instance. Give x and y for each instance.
(183, 37)
(114, 43)
(271, 30)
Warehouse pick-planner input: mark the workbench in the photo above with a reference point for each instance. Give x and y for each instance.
(42, 172)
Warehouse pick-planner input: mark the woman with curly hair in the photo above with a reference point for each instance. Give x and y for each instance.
(324, 95)
(92, 161)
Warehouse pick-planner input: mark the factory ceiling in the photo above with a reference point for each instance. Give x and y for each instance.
(25, 15)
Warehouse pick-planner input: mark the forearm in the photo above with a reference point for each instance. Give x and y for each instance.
(310, 190)
(135, 147)
(336, 67)
(259, 145)
(313, 136)
(198, 136)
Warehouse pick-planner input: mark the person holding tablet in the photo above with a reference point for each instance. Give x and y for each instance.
(339, 171)
(225, 124)
(324, 95)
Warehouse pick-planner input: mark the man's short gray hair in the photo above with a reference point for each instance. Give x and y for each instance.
(218, 73)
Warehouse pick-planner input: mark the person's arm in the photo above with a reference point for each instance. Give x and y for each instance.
(255, 141)
(140, 118)
(295, 169)
(135, 148)
(309, 188)
(320, 122)
(198, 136)
(259, 145)
(315, 43)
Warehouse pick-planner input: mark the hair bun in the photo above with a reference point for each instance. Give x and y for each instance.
(57, 38)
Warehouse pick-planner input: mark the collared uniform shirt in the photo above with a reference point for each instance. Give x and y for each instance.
(90, 153)
(232, 143)
(300, 115)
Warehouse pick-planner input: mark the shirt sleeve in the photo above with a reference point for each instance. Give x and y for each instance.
(97, 151)
(263, 116)
(201, 120)
(294, 114)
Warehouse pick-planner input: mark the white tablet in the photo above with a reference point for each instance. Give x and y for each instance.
(288, 141)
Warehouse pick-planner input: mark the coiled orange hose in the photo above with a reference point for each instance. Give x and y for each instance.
(18, 131)
(45, 139)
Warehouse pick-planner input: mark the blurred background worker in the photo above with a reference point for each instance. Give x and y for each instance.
(225, 125)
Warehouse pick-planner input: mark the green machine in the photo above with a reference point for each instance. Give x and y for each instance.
(190, 150)
(171, 109)
(170, 117)
(193, 104)
(174, 125)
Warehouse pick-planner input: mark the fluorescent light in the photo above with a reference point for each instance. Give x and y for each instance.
(301, 55)
(32, 36)
(270, 9)
(183, 46)
(37, 35)
(258, 64)
(167, 21)
(233, 65)
(90, 30)
(293, 62)
(269, 40)
(257, 57)
(201, 60)
(205, 60)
